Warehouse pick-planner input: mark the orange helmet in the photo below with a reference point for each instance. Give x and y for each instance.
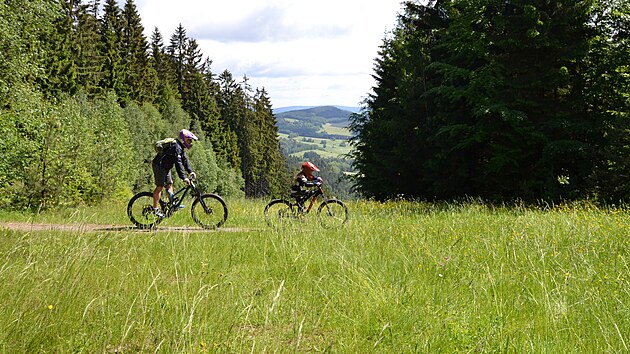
(309, 166)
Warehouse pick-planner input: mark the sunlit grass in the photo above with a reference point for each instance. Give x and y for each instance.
(336, 130)
(399, 277)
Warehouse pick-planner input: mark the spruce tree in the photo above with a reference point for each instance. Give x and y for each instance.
(607, 88)
(161, 65)
(193, 89)
(111, 32)
(62, 53)
(140, 79)
(232, 106)
(90, 60)
(273, 178)
(177, 52)
(390, 141)
(488, 98)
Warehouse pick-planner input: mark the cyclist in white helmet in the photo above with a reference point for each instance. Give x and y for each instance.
(175, 154)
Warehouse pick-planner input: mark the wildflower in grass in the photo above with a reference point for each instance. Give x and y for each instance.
(50, 307)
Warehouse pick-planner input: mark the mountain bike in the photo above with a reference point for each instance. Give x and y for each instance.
(208, 210)
(330, 213)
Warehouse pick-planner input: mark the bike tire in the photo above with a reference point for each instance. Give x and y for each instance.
(278, 213)
(140, 211)
(215, 215)
(332, 213)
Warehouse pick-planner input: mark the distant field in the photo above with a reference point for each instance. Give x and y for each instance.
(400, 277)
(331, 129)
(332, 148)
(308, 121)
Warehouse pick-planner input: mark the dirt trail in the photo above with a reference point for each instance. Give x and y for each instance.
(27, 226)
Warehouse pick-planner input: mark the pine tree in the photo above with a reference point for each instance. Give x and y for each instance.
(140, 80)
(232, 107)
(160, 62)
(224, 141)
(209, 121)
(177, 52)
(90, 60)
(271, 175)
(111, 38)
(194, 92)
(62, 50)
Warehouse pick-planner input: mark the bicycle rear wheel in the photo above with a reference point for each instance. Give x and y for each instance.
(209, 211)
(278, 213)
(332, 213)
(140, 211)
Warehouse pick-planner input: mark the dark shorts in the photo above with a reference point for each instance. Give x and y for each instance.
(162, 177)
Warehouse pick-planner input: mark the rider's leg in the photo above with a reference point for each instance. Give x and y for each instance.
(157, 194)
(163, 179)
(169, 189)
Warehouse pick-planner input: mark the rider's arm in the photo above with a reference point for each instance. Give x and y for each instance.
(304, 182)
(181, 162)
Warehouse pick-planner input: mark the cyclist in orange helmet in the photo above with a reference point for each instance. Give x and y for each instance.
(305, 178)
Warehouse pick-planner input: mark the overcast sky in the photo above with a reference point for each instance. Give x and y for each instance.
(304, 53)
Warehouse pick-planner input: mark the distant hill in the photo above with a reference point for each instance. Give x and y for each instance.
(290, 108)
(310, 122)
(296, 108)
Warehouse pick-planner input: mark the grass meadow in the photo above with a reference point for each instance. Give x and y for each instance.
(400, 277)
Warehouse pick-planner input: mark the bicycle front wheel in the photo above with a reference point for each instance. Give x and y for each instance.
(140, 211)
(278, 213)
(209, 211)
(332, 213)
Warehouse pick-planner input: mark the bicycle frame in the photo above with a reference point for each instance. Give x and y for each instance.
(319, 191)
(208, 210)
(174, 201)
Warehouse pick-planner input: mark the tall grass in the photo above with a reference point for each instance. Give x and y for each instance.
(399, 277)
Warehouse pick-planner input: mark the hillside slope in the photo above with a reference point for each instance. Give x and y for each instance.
(310, 122)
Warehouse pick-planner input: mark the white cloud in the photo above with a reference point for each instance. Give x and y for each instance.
(302, 52)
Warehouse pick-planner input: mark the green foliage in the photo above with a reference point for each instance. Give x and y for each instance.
(204, 163)
(606, 89)
(20, 128)
(175, 117)
(229, 181)
(493, 99)
(146, 125)
(22, 27)
(58, 153)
